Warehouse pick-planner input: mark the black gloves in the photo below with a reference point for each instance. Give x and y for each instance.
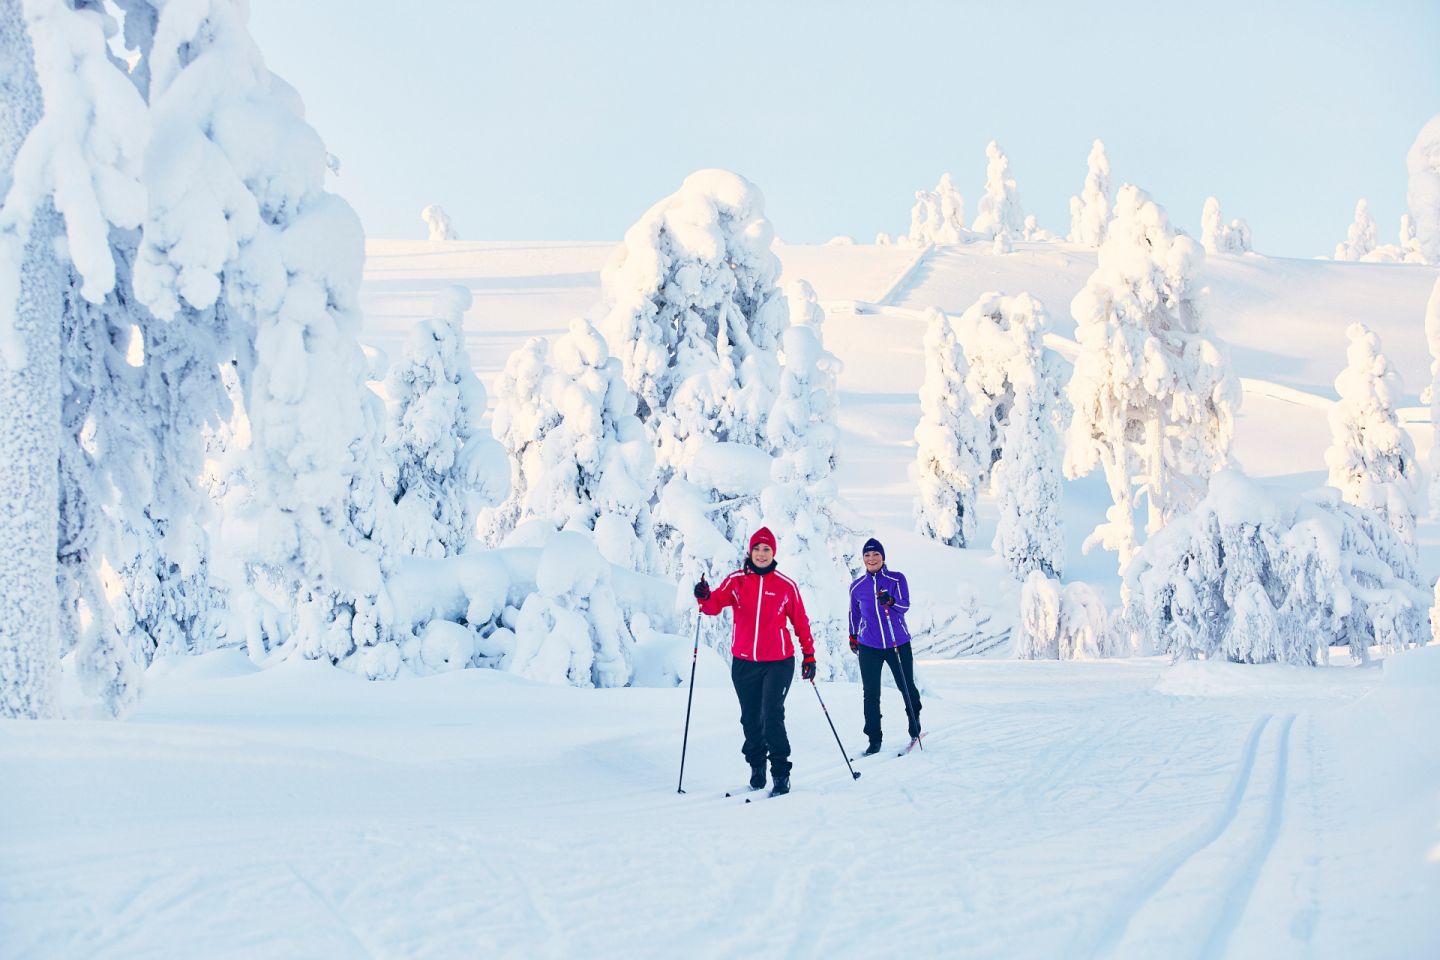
(885, 599)
(807, 667)
(854, 645)
(702, 590)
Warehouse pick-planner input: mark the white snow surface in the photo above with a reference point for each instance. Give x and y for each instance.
(1117, 808)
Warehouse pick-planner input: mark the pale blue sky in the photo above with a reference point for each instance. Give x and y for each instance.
(545, 120)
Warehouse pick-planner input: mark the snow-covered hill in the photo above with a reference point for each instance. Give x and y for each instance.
(1284, 321)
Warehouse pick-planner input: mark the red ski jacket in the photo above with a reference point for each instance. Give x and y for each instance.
(762, 602)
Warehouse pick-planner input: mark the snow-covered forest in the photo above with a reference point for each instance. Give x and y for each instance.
(348, 580)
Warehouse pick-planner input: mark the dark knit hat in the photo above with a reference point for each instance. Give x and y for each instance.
(873, 544)
(763, 535)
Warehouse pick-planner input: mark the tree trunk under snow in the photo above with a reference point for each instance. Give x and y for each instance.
(30, 488)
(29, 422)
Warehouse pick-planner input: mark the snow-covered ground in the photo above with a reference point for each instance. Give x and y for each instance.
(1125, 808)
(1060, 809)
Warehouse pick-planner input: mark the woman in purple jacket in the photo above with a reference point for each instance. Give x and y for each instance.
(878, 635)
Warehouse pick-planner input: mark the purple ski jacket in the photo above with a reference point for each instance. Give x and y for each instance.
(873, 624)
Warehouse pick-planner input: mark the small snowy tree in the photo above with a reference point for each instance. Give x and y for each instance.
(1153, 397)
(596, 470)
(950, 441)
(1360, 239)
(1371, 457)
(438, 222)
(439, 470)
(1219, 237)
(1423, 194)
(999, 212)
(938, 215)
(1090, 212)
(572, 630)
(1038, 637)
(1084, 632)
(524, 413)
(798, 503)
(1035, 233)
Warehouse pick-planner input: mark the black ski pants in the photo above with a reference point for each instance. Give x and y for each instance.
(761, 686)
(902, 667)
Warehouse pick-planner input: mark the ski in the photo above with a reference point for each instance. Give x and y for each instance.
(911, 745)
(743, 791)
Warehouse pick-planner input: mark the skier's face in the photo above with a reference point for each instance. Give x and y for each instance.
(874, 560)
(761, 555)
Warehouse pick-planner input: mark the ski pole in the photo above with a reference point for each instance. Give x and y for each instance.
(905, 691)
(685, 741)
(853, 774)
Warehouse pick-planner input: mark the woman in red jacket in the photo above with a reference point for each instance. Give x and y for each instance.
(762, 654)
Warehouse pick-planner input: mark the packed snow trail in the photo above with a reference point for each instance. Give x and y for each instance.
(1124, 808)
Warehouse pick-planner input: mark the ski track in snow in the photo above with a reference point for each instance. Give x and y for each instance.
(1203, 883)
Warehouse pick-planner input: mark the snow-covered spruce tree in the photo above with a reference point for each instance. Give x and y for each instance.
(1361, 237)
(1432, 337)
(1152, 393)
(438, 223)
(938, 215)
(596, 469)
(439, 469)
(1090, 212)
(999, 212)
(1371, 458)
(950, 441)
(240, 221)
(1030, 534)
(1256, 575)
(1217, 236)
(694, 311)
(797, 504)
(72, 130)
(1002, 338)
(1423, 193)
(525, 412)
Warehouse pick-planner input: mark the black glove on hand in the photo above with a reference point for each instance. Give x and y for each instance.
(885, 599)
(807, 667)
(854, 645)
(702, 590)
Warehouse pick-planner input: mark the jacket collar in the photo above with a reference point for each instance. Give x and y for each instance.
(751, 568)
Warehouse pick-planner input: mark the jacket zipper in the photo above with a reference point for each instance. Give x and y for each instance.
(879, 621)
(759, 602)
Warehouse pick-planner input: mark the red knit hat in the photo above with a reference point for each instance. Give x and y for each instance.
(763, 535)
